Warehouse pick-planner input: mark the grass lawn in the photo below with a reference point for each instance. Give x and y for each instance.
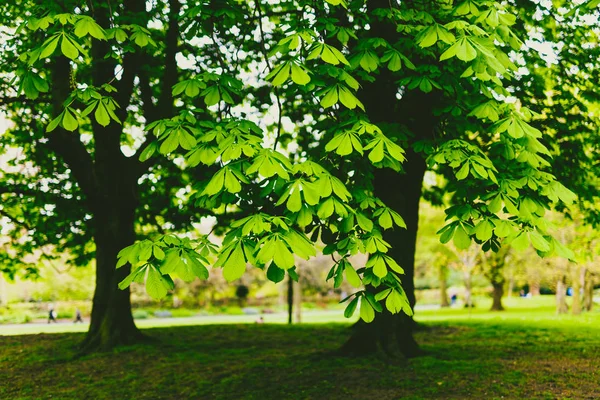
(526, 352)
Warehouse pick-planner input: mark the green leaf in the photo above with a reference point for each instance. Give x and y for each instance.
(394, 302)
(49, 46)
(483, 230)
(539, 242)
(235, 266)
(125, 283)
(351, 307)
(148, 152)
(521, 242)
(156, 285)
(275, 274)
(382, 295)
(299, 75)
(87, 26)
(366, 311)
(461, 238)
(69, 121)
(101, 114)
(68, 48)
(351, 276)
(330, 97)
(463, 172)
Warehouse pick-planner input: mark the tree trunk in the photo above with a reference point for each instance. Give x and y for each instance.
(577, 288)
(111, 319)
(400, 191)
(468, 286)
(534, 288)
(290, 298)
(511, 286)
(497, 293)
(588, 290)
(561, 296)
(442, 274)
(298, 301)
(3, 295)
(390, 332)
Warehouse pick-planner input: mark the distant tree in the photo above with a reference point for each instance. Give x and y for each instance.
(241, 292)
(493, 267)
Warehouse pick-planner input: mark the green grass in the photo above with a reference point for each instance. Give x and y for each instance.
(526, 352)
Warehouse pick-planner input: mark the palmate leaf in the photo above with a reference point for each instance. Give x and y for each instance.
(340, 93)
(87, 26)
(395, 59)
(328, 53)
(190, 88)
(430, 35)
(462, 49)
(345, 143)
(232, 258)
(280, 74)
(157, 285)
(379, 145)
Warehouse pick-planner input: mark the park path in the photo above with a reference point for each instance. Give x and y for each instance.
(62, 326)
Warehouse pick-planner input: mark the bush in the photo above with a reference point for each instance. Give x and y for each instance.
(140, 314)
(65, 314)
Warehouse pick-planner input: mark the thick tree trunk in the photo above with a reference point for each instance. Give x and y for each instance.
(389, 332)
(442, 274)
(114, 217)
(497, 293)
(400, 191)
(561, 296)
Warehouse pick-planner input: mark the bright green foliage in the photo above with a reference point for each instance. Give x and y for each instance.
(311, 58)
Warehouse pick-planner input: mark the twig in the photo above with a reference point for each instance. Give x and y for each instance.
(266, 55)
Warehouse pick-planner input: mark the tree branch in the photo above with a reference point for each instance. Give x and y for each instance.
(14, 220)
(165, 102)
(66, 144)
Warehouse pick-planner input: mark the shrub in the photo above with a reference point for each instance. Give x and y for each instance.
(140, 314)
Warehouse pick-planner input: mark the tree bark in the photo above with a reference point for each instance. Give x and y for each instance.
(443, 276)
(111, 320)
(497, 293)
(561, 296)
(511, 285)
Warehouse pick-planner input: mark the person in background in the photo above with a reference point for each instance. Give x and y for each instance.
(453, 299)
(78, 316)
(51, 314)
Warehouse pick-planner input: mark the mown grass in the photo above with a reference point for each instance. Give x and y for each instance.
(526, 352)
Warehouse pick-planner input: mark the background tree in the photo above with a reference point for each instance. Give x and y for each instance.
(493, 268)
